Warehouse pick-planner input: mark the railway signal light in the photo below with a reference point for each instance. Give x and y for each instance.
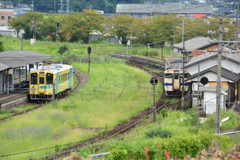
(153, 81)
(89, 50)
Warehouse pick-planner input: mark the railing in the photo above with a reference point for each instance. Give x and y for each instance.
(100, 154)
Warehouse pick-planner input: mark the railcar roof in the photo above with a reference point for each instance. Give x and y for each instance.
(54, 67)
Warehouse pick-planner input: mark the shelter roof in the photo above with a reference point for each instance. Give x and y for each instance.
(196, 43)
(224, 73)
(164, 8)
(3, 66)
(232, 57)
(14, 59)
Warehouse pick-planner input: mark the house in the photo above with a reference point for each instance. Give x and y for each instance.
(230, 79)
(6, 30)
(223, 11)
(21, 9)
(6, 12)
(147, 10)
(197, 43)
(233, 16)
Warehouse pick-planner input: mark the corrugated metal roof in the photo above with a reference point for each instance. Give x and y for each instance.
(232, 57)
(164, 8)
(6, 3)
(3, 66)
(195, 43)
(15, 59)
(224, 73)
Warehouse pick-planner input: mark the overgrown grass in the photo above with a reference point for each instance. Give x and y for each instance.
(62, 122)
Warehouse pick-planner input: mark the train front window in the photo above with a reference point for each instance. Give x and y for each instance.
(167, 75)
(34, 78)
(49, 78)
(41, 80)
(175, 76)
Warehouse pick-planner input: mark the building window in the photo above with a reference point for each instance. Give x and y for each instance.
(9, 17)
(2, 25)
(2, 17)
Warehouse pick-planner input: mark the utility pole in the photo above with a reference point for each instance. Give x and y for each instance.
(61, 6)
(174, 34)
(236, 34)
(183, 51)
(22, 42)
(57, 34)
(131, 35)
(154, 107)
(32, 5)
(218, 89)
(162, 52)
(198, 95)
(54, 7)
(68, 6)
(148, 50)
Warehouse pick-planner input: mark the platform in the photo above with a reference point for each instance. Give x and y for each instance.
(13, 98)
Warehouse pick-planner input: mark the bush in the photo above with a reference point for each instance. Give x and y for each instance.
(180, 147)
(159, 133)
(1, 46)
(165, 112)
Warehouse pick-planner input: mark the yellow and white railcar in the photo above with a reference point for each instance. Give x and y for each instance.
(52, 80)
(173, 82)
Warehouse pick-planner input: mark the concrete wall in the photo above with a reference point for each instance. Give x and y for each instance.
(5, 12)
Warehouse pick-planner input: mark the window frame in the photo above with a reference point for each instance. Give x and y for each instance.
(40, 81)
(36, 79)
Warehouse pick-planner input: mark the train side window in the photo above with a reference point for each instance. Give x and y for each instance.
(41, 80)
(34, 78)
(175, 76)
(167, 75)
(49, 78)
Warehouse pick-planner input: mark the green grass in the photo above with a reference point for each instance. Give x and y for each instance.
(60, 122)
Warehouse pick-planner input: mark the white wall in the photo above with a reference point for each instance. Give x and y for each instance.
(211, 77)
(210, 102)
(227, 64)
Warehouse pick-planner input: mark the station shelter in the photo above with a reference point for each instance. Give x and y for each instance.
(15, 67)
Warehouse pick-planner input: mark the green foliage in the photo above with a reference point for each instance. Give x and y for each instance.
(180, 147)
(123, 121)
(63, 49)
(159, 133)
(224, 141)
(164, 112)
(1, 46)
(101, 132)
(84, 152)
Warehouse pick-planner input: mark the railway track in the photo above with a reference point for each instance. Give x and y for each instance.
(121, 128)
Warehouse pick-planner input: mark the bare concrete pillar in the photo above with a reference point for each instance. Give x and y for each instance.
(26, 73)
(19, 77)
(7, 82)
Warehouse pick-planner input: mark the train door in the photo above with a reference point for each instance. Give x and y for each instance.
(41, 84)
(176, 81)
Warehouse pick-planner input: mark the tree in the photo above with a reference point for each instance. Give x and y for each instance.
(16, 23)
(80, 25)
(119, 26)
(48, 26)
(25, 21)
